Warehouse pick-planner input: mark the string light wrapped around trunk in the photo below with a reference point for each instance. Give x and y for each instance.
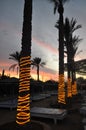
(61, 90)
(69, 88)
(23, 107)
(74, 88)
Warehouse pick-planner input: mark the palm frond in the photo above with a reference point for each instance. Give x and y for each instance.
(73, 25)
(15, 56)
(37, 62)
(76, 41)
(12, 67)
(77, 27)
(42, 64)
(56, 3)
(57, 24)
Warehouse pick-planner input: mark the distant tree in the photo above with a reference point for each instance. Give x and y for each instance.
(37, 62)
(3, 73)
(16, 57)
(3, 76)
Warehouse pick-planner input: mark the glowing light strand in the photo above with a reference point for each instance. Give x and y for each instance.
(23, 107)
(74, 88)
(61, 90)
(69, 88)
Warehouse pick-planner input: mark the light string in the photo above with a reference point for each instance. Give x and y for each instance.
(74, 88)
(23, 107)
(69, 88)
(61, 90)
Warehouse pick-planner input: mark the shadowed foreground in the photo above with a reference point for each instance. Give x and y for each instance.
(12, 126)
(73, 121)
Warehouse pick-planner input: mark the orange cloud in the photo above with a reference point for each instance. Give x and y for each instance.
(44, 76)
(45, 45)
(5, 66)
(10, 73)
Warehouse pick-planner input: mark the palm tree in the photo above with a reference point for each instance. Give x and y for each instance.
(16, 57)
(58, 5)
(71, 43)
(75, 43)
(66, 43)
(37, 62)
(23, 107)
(69, 28)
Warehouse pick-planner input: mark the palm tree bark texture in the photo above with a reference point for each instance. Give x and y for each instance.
(61, 92)
(16, 57)
(67, 31)
(23, 117)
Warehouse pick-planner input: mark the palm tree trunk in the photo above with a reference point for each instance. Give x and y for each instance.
(74, 85)
(38, 73)
(61, 92)
(61, 45)
(69, 89)
(23, 107)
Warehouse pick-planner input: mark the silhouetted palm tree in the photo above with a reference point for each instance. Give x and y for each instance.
(75, 43)
(69, 28)
(16, 57)
(70, 41)
(74, 49)
(58, 5)
(67, 35)
(37, 62)
(23, 107)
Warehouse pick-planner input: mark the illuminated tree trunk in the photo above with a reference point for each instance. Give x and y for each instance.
(74, 84)
(23, 107)
(61, 91)
(69, 82)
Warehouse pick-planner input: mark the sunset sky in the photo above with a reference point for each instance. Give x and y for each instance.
(44, 34)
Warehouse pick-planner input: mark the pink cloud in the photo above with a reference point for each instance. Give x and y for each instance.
(45, 45)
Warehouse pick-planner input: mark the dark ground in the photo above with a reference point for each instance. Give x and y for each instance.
(73, 121)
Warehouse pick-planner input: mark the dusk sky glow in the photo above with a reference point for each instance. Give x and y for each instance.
(44, 34)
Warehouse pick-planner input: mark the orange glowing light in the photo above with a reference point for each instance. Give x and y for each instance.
(74, 88)
(69, 89)
(61, 90)
(23, 107)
